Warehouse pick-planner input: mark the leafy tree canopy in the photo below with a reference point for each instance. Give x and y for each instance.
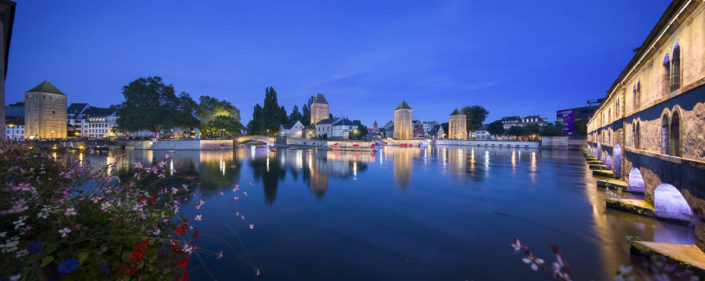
(496, 128)
(149, 105)
(475, 116)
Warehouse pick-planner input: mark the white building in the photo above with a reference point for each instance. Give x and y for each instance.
(292, 129)
(14, 129)
(98, 122)
(339, 128)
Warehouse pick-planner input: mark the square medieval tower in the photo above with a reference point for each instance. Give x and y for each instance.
(45, 112)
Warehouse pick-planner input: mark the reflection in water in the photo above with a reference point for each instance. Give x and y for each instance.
(563, 206)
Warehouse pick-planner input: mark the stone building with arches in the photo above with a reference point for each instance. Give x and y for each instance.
(650, 129)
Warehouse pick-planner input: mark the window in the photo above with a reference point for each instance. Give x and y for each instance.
(666, 75)
(674, 140)
(664, 134)
(676, 68)
(637, 95)
(637, 136)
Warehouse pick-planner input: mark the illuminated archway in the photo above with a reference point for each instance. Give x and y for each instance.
(608, 161)
(636, 181)
(617, 166)
(669, 203)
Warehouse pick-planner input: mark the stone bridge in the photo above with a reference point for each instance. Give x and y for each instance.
(267, 140)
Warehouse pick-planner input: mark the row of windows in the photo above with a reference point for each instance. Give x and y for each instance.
(672, 81)
(97, 125)
(50, 97)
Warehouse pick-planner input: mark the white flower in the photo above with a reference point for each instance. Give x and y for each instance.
(188, 249)
(157, 231)
(64, 231)
(198, 217)
(21, 253)
(15, 277)
(18, 223)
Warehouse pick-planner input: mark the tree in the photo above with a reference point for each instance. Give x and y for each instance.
(222, 125)
(580, 127)
(149, 105)
(361, 131)
(266, 119)
(531, 130)
(552, 130)
(296, 115)
(186, 112)
(475, 116)
(445, 127)
(496, 128)
(515, 131)
(306, 109)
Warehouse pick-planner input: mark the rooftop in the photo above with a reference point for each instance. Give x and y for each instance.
(98, 112)
(320, 99)
(403, 105)
(457, 111)
(46, 87)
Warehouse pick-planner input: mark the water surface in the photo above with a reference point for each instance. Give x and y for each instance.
(402, 213)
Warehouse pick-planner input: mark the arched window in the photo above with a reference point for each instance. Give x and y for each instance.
(666, 75)
(637, 96)
(664, 134)
(637, 136)
(675, 135)
(676, 68)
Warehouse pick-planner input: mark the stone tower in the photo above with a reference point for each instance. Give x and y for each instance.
(403, 122)
(319, 109)
(45, 112)
(457, 125)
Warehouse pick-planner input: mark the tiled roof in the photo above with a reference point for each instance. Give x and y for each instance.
(46, 87)
(97, 112)
(403, 105)
(344, 122)
(76, 108)
(325, 121)
(291, 124)
(320, 99)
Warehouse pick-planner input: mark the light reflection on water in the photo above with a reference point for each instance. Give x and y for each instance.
(435, 212)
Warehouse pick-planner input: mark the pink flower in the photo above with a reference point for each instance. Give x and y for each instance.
(517, 245)
(166, 156)
(221, 194)
(219, 255)
(187, 249)
(233, 166)
(236, 198)
(252, 226)
(70, 212)
(257, 271)
(198, 217)
(245, 193)
(199, 204)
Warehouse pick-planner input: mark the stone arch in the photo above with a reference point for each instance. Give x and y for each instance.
(676, 68)
(608, 161)
(635, 180)
(666, 75)
(617, 165)
(669, 203)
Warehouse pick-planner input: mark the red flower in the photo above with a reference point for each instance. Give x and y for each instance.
(183, 262)
(196, 235)
(183, 276)
(181, 229)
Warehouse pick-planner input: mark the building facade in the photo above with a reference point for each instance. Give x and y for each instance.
(457, 125)
(45, 112)
(650, 129)
(292, 129)
(403, 128)
(568, 117)
(14, 128)
(7, 17)
(320, 109)
(509, 121)
(98, 123)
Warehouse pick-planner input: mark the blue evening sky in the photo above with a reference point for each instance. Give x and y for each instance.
(511, 57)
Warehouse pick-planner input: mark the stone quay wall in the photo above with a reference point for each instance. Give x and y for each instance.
(527, 144)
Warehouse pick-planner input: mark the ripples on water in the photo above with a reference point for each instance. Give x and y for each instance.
(403, 213)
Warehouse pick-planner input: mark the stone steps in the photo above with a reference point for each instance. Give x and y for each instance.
(689, 256)
(635, 206)
(615, 184)
(603, 173)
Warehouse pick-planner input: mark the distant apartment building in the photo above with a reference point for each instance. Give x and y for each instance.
(403, 121)
(45, 112)
(75, 118)
(99, 122)
(534, 120)
(509, 121)
(457, 125)
(572, 115)
(14, 128)
(437, 132)
(320, 109)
